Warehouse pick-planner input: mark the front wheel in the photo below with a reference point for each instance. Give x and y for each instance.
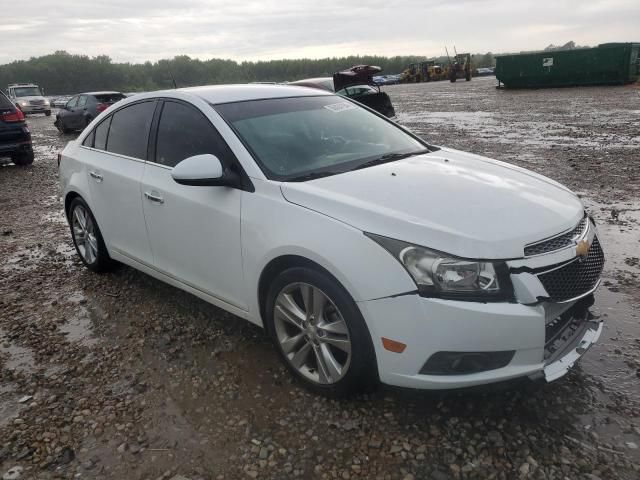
(87, 237)
(60, 126)
(48, 113)
(320, 334)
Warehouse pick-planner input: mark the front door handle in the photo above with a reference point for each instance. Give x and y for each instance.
(96, 176)
(154, 198)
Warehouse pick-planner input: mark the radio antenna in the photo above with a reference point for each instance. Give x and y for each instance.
(171, 75)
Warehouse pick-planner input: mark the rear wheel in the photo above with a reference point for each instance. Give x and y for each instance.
(87, 237)
(23, 159)
(320, 334)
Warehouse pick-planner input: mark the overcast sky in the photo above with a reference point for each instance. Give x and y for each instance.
(139, 30)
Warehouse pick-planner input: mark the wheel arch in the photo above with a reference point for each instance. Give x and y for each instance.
(278, 265)
(69, 197)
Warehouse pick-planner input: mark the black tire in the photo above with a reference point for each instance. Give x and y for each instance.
(102, 261)
(362, 371)
(48, 113)
(23, 159)
(60, 126)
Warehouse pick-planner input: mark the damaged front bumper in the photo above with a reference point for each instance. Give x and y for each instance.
(485, 343)
(568, 337)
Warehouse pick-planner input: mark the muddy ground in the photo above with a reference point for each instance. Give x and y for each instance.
(122, 377)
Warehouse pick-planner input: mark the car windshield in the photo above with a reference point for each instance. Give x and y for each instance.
(301, 138)
(27, 92)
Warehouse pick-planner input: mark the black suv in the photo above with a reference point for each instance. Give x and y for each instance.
(15, 137)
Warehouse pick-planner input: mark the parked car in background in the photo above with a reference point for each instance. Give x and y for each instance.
(485, 72)
(357, 83)
(81, 109)
(366, 253)
(15, 137)
(59, 102)
(386, 79)
(29, 98)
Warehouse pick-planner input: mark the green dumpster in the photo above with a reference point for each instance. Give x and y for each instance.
(606, 64)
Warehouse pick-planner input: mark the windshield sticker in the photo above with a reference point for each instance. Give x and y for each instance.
(340, 107)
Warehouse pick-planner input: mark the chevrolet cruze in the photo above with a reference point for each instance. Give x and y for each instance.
(366, 253)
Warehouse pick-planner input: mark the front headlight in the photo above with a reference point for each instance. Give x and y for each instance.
(23, 103)
(46, 102)
(438, 274)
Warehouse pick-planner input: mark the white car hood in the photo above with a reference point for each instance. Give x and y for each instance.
(455, 202)
(29, 98)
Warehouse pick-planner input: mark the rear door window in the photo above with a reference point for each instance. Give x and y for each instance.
(129, 130)
(183, 132)
(82, 101)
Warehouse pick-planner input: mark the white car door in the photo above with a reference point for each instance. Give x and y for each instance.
(116, 152)
(194, 231)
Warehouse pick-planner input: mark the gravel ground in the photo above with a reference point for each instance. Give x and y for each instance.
(120, 376)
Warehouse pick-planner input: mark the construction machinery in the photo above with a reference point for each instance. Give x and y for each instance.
(460, 67)
(427, 71)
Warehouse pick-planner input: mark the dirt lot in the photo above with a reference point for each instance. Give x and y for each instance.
(122, 377)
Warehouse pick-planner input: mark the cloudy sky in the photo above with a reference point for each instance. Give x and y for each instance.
(139, 30)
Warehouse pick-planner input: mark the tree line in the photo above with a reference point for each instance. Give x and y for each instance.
(63, 73)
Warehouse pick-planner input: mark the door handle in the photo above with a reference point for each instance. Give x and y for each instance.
(154, 198)
(96, 176)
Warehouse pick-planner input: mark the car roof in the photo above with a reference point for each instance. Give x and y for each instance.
(216, 94)
(101, 93)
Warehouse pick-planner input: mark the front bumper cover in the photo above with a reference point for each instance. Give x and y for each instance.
(428, 326)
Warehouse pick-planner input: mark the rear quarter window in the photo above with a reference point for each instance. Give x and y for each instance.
(101, 132)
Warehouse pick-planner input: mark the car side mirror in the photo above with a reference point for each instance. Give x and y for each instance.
(204, 171)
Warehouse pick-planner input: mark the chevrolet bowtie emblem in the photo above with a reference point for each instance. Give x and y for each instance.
(582, 248)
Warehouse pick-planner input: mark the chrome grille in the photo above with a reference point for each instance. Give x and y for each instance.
(556, 243)
(36, 102)
(576, 278)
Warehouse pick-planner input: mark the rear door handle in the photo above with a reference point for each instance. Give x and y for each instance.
(154, 198)
(96, 176)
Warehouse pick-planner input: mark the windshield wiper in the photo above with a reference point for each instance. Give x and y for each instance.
(311, 176)
(389, 157)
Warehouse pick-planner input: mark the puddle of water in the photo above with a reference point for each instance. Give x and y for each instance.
(9, 405)
(508, 128)
(78, 329)
(16, 357)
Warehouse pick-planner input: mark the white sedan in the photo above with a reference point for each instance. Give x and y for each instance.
(366, 253)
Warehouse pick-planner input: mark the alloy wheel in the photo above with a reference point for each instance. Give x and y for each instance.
(84, 234)
(312, 333)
